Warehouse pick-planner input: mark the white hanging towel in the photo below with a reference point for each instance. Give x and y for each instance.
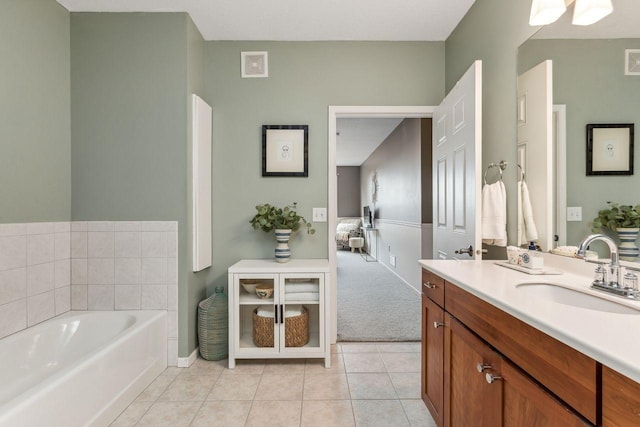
(494, 214)
(527, 231)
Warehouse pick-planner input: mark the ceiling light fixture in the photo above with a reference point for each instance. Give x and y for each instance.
(585, 12)
(545, 12)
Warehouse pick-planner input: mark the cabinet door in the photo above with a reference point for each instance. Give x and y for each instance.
(254, 328)
(527, 404)
(470, 400)
(620, 399)
(432, 386)
(302, 313)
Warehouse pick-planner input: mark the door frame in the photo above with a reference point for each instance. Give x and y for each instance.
(345, 112)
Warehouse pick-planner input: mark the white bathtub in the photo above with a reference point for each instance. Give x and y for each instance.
(80, 368)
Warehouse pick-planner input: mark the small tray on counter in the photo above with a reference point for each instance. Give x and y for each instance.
(527, 270)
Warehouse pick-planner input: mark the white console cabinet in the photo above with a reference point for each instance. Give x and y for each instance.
(297, 283)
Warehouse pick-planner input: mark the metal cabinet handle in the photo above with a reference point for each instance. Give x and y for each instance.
(491, 378)
(437, 324)
(481, 367)
(429, 285)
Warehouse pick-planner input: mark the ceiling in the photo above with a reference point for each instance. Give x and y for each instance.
(303, 20)
(358, 138)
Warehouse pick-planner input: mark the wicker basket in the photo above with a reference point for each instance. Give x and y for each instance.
(296, 330)
(213, 330)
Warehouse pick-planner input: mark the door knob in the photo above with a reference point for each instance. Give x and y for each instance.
(491, 378)
(480, 367)
(468, 251)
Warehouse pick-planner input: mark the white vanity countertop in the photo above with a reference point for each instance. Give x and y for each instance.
(612, 339)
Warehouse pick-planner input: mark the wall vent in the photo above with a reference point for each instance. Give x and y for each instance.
(632, 62)
(254, 64)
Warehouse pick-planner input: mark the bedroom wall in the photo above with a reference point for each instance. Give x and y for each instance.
(349, 191)
(397, 164)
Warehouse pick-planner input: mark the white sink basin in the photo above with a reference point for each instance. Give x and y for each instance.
(562, 295)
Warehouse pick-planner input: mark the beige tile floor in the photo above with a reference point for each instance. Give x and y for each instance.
(368, 384)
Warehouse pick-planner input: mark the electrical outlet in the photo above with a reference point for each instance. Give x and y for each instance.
(392, 260)
(574, 213)
(319, 215)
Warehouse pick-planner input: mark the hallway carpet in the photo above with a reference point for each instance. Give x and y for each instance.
(374, 304)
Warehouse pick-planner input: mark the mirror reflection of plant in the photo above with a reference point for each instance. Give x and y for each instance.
(270, 218)
(617, 216)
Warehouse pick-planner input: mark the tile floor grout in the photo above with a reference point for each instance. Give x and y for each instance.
(358, 390)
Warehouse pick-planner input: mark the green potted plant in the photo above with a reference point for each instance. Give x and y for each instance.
(625, 221)
(283, 221)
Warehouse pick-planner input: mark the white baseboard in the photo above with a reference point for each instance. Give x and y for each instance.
(185, 362)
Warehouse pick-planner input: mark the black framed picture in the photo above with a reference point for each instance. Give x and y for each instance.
(610, 149)
(285, 150)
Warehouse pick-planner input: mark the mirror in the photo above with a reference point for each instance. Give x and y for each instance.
(590, 86)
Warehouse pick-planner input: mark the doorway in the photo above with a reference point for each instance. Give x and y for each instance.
(335, 113)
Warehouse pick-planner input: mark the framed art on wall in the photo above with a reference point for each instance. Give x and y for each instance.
(285, 150)
(610, 149)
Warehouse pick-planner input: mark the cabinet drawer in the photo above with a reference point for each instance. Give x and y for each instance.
(433, 287)
(566, 372)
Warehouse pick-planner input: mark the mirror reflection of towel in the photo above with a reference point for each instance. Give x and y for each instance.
(494, 214)
(527, 231)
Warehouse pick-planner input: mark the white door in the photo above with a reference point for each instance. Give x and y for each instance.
(535, 148)
(457, 153)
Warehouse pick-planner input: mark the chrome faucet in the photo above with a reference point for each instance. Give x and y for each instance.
(614, 284)
(615, 272)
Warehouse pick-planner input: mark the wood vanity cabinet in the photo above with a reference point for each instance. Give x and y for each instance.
(620, 399)
(487, 357)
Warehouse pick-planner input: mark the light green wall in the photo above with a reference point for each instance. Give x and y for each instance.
(35, 142)
(304, 79)
(132, 74)
(588, 77)
(491, 31)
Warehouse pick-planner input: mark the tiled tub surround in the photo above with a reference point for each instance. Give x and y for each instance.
(69, 371)
(49, 268)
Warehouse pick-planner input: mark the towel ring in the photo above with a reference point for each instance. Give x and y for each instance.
(521, 172)
(493, 165)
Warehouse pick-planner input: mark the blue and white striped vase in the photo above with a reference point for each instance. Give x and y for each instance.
(628, 250)
(282, 252)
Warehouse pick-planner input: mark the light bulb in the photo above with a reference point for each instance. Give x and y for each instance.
(545, 12)
(587, 12)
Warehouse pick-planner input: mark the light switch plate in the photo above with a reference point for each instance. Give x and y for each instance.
(319, 215)
(574, 213)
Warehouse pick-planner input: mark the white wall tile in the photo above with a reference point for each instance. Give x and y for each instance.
(100, 244)
(100, 297)
(13, 317)
(153, 270)
(13, 229)
(172, 297)
(62, 273)
(153, 297)
(172, 271)
(40, 248)
(79, 297)
(13, 285)
(13, 252)
(79, 271)
(172, 244)
(100, 226)
(40, 308)
(153, 244)
(126, 226)
(41, 228)
(62, 227)
(127, 244)
(62, 244)
(79, 244)
(127, 271)
(172, 352)
(78, 226)
(172, 324)
(63, 300)
(40, 278)
(100, 271)
(158, 226)
(127, 297)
